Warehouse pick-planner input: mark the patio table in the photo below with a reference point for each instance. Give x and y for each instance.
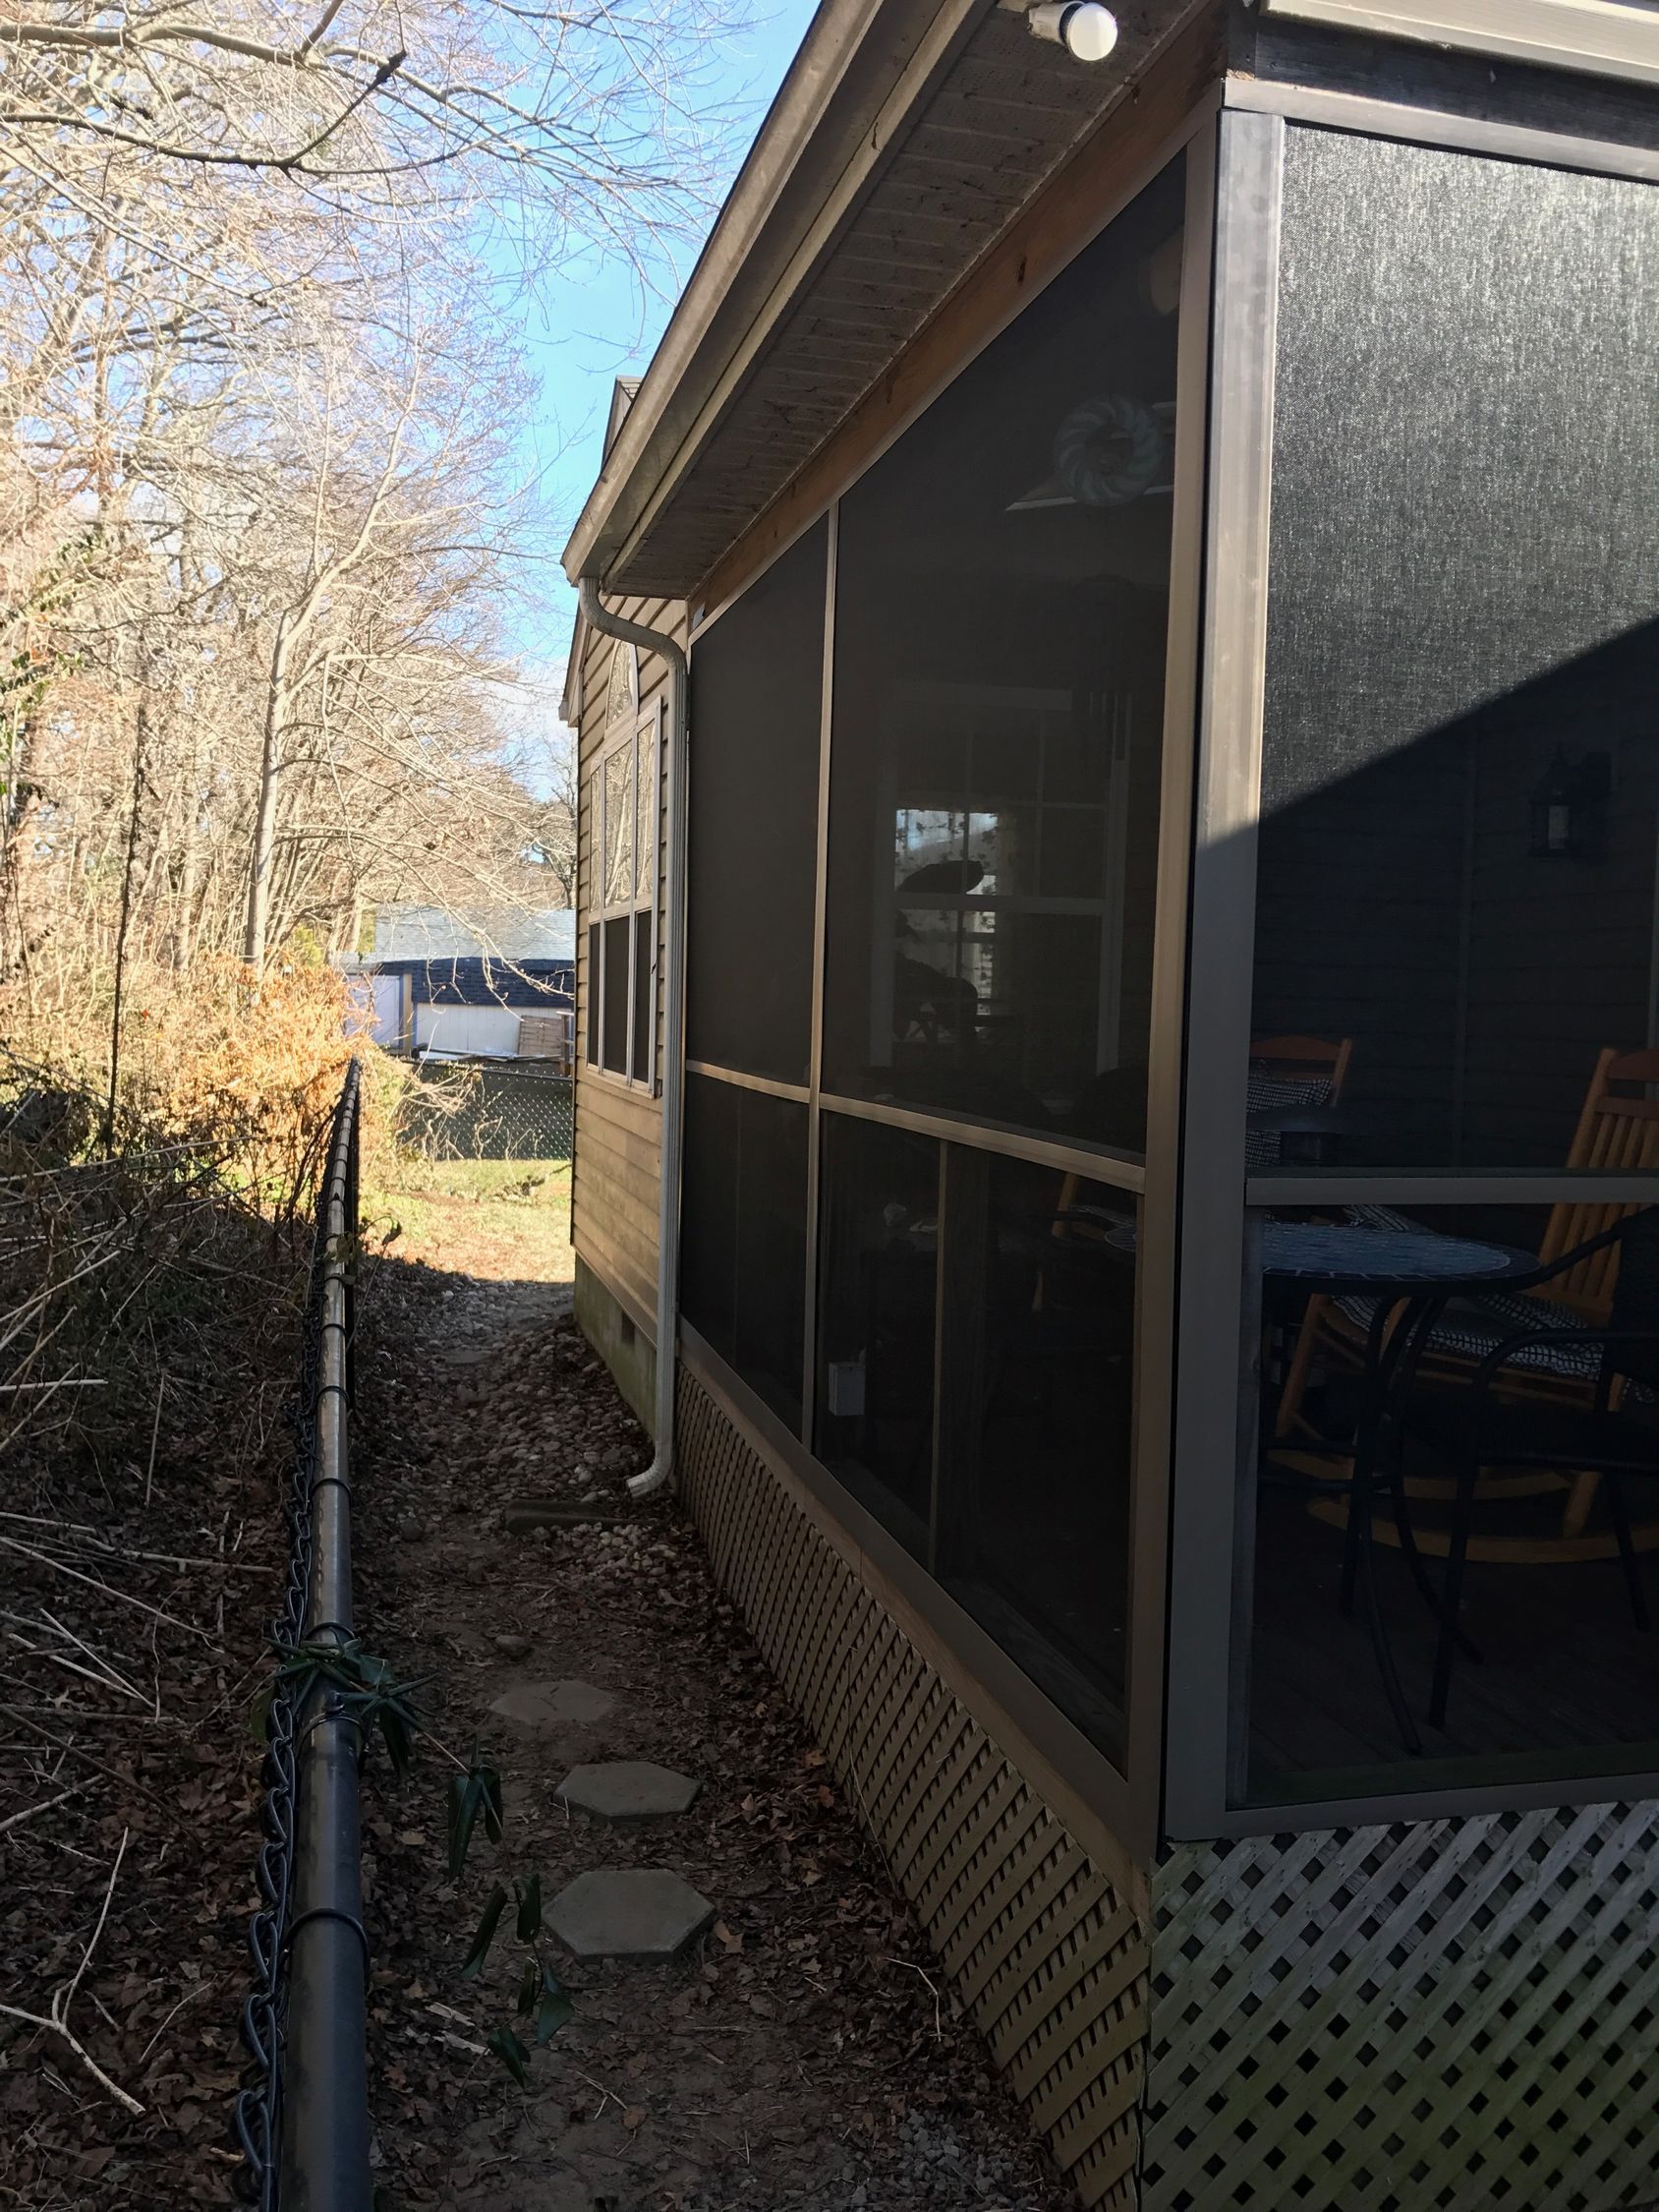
(1412, 1273)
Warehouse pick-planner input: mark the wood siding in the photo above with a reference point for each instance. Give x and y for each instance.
(618, 1125)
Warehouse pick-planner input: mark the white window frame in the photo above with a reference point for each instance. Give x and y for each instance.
(628, 733)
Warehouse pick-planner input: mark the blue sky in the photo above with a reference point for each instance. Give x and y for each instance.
(595, 324)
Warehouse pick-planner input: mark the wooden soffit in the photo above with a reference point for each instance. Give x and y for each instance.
(802, 306)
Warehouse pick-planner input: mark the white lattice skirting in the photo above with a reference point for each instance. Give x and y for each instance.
(1439, 2017)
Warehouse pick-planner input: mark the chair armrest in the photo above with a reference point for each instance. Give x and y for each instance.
(1480, 1388)
(1547, 1271)
(1500, 1355)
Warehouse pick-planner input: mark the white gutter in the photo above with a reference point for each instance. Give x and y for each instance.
(655, 1475)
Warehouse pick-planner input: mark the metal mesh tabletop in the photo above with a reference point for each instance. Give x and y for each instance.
(1354, 1256)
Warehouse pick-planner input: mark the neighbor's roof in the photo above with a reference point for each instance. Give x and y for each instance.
(904, 139)
(530, 985)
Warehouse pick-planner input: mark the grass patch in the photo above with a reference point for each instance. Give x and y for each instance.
(502, 1220)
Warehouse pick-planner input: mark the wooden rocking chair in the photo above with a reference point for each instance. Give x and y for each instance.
(1617, 1133)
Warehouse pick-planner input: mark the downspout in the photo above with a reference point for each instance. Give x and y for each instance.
(654, 1477)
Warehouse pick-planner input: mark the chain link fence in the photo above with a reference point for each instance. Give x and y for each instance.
(286, 1876)
(490, 1110)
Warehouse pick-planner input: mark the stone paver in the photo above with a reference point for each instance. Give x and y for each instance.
(628, 1912)
(554, 1705)
(628, 1789)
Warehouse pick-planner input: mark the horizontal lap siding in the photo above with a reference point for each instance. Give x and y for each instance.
(619, 1126)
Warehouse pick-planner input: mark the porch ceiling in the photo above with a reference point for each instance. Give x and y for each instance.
(906, 137)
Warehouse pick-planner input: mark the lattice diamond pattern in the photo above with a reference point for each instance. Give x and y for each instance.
(1447, 2017)
(1049, 1960)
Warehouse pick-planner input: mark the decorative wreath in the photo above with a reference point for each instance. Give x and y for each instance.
(1108, 450)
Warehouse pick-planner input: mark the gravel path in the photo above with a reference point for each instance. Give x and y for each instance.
(803, 2052)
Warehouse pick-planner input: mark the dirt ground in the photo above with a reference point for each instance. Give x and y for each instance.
(804, 2052)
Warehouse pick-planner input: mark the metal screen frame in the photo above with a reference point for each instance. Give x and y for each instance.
(1128, 1797)
(1207, 1710)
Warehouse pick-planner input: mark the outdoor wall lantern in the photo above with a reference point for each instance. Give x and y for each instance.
(1570, 807)
(1087, 30)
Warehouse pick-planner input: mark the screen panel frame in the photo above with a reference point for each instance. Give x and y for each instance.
(1208, 1623)
(1125, 1797)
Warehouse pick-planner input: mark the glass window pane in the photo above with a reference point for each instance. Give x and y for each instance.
(1037, 1399)
(620, 827)
(645, 993)
(1549, 1669)
(1461, 761)
(757, 679)
(743, 1235)
(645, 818)
(1003, 579)
(613, 1018)
(878, 1277)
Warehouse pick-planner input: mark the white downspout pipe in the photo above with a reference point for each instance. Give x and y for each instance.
(653, 1478)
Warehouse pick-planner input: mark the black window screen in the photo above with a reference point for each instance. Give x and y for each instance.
(877, 1313)
(1002, 581)
(743, 1208)
(596, 993)
(1036, 1399)
(977, 1394)
(614, 1017)
(645, 993)
(709, 1213)
(757, 680)
(1461, 760)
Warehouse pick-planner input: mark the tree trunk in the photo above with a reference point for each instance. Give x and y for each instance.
(254, 939)
(141, 732)
(15, 803)
(190, 858)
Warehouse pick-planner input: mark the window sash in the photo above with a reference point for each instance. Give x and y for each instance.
(624, 828)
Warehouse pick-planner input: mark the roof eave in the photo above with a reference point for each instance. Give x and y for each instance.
(833, 114)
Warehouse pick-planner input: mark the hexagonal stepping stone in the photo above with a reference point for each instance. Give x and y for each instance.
(554, 1705)
(628, 1912)
(628, 1789)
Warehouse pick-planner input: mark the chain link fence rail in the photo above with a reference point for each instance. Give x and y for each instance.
(302, 2117)
(490, 1110)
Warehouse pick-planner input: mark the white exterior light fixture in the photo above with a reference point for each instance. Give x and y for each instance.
(1087, 30)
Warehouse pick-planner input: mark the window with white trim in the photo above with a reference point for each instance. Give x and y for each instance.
(623, 815)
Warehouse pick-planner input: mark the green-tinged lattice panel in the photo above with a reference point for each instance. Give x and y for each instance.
(1452, 2016)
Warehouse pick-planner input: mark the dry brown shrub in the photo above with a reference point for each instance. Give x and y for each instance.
(162, 1231)
(243, 1069)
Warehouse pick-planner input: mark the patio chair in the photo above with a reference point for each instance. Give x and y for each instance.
(1285, 1072)
(1617, 1131)
(1612, 1432)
